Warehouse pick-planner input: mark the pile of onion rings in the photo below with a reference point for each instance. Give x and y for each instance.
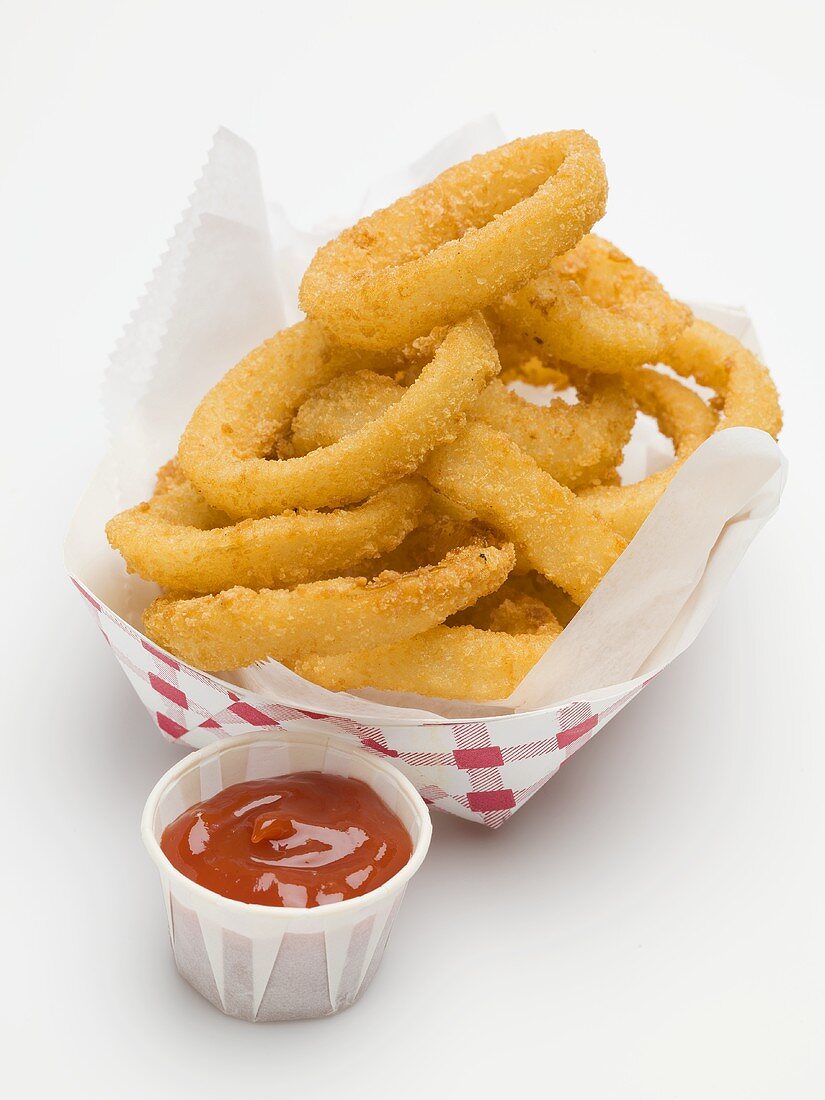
(373, 497)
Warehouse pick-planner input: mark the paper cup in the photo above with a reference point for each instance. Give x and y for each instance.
(260, 962)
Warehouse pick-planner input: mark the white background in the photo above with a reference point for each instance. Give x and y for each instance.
(651, 924)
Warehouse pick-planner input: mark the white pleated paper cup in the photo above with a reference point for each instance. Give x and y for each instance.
(262, 962)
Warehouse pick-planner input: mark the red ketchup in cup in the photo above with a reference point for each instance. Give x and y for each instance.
(293, 841)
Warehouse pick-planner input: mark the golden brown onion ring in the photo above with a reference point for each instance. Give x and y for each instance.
(449, 662)
(484, 471)
(183, 544)
(714, 359)
(595, 308)
(457, 244)
(682, 416)
(223, 450)
(342, 406)
(577, 444)
(718, 360)
(240, 626)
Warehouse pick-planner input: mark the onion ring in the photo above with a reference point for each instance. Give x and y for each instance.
(577, 444)
(363, 498)
(718, 360)
(449, 662)
(685, 418)
(240, 626)
(342, 406)
(595, 308)
(457, 244)
(179, 541)
(484, 471)
(560, 536)
(714, 359)
(223, 450)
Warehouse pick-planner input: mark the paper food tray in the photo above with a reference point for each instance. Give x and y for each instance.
(227, 280)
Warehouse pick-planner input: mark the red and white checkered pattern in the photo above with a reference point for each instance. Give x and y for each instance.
(481, 770)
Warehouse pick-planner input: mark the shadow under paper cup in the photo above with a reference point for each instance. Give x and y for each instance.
(265, 963)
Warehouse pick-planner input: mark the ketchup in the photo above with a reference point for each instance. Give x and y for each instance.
(295, 841)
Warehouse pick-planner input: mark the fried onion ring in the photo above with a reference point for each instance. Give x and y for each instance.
(577, 444)
(718, 360)
(485, 472)
(457, 244)
(240, 626)
(179, 541)
(363, 498)
(342, 406)
(594, 307)
(449, 662)
(714, 359)
(224, 448)
(682, 416)
(560, 536)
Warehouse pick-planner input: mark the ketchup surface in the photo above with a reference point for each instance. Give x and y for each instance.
(295, 841)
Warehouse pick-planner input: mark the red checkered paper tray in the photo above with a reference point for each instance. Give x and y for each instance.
(227, 281)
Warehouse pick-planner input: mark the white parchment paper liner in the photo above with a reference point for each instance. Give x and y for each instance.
(228, 280)
(260, 962)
